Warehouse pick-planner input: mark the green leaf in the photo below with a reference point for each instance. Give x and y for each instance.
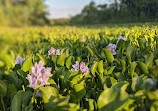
(68, 62)
(73, 74)
(143, 67)
(27, 64)
(16, 101)
(100, 67)
(61, 59)
(132, 68)
(48, 92)
(3, 88)
(13, 78)
(11, 91)
(136, 83)
(8, 61)
(42, 58)
(153, 95)
(76, 79)
(128, 57)
(139, 96)
(80, 91)
(26, 98)
(109, 81)
(123, 63)
(154, 106)
(149, 60)
(90, 50)
(109, 56)
(94, 68)
(92, 104)
(111, 70)
(110, 100)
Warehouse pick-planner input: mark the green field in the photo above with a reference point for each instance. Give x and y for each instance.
(70, 68)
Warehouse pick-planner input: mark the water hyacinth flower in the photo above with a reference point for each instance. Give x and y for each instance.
(75, 67)
(19, 61)
(150, 81)
(83, 40)
(39, 75)
(120, 37)
(53, 51)
(82, 67)
(112, 48)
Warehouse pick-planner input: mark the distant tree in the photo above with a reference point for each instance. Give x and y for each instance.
(119, 11)
(23, 12)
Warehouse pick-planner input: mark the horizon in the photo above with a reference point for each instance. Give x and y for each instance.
(68, 8)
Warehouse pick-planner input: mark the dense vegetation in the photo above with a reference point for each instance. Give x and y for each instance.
(119, 11)
(23, 12)
(121, 76)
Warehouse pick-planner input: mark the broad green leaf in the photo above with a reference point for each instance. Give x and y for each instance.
(26, 98)
(76, 79)
(132, 68)
(143, 67)
(153, 95)
(94, 68)
(100, 67)
(109, 56)
(80, 91)
(13, 78)
(90, 50)
(149, 60)
(27, 64)
(136, 83)
(48, 92)
(154, 106)
(42, 58)
(73, 74)
(3, 88)
(68, 62)
(128, 57)
(1, 64)
(16, 101)
(109, 81)
(110, 71)
(92, 104)
(61, 59)
(110, 100)
(123, 63)
(11, 91)
(139, 96)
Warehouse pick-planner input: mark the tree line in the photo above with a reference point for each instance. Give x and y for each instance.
(119, 11)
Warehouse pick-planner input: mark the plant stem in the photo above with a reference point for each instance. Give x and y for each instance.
(3, 104)
(33, 97)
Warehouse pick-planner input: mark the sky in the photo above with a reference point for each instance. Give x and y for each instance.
(66, 8)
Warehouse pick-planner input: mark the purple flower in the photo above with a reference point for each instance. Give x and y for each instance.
(120, 37)
(83, 68)
(83, 40)
(39, 75)
(53, 51)
(19, 61)
(150, 81)
(75, 67)
(57, 52)
(112, 48)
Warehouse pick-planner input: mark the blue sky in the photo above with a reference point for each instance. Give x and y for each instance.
(67, 8)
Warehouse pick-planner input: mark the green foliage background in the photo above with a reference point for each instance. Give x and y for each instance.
(23, 12)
